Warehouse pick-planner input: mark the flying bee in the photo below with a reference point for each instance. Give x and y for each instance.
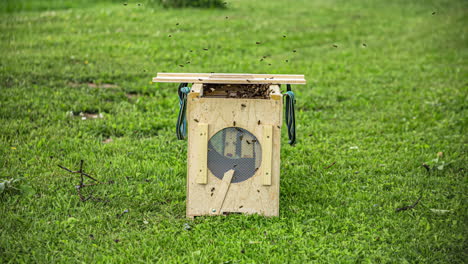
(205, 48)
(257, 42)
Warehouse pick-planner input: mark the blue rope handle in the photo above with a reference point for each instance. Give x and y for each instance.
(181, 126)
(290, 114)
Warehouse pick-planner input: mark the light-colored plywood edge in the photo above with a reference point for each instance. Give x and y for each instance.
(275, 92)
(221, 193)
(230, 78)
(201, 162)
(267, 154)
(196, 90)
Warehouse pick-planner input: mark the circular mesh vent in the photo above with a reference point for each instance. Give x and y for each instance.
(234, 148)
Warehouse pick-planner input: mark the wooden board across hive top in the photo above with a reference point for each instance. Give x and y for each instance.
(229, 78)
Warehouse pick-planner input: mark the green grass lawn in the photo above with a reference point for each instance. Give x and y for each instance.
(387, 91)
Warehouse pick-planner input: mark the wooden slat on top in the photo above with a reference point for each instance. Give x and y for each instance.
(230, 78)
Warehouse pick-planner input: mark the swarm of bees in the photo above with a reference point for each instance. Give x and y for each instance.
(257, 43)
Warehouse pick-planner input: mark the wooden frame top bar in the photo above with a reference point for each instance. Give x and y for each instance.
(229, 78)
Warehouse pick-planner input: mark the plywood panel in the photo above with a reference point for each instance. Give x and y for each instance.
(249, 196)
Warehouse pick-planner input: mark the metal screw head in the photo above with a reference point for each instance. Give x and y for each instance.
(213, 210)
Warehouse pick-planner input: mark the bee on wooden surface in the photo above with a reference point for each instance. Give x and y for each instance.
(196, 120)
(234, 123)
(259, 122)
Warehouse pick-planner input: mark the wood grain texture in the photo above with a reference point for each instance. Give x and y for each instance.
(201, 160)
(229, 78)
(223, 188)
(249, 196)
(267, 154)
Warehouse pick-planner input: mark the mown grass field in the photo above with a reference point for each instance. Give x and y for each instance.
(386, 92)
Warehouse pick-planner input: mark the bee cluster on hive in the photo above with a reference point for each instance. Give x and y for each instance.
(252, 91)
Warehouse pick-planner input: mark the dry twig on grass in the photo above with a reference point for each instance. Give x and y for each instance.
(82, 185)
(409, 207)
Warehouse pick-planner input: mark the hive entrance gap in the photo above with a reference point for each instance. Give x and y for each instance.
(244, 91)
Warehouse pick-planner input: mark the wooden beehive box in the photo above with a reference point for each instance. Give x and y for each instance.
(234, 128)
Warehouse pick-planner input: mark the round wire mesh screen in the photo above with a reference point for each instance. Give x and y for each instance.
(234, 148)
